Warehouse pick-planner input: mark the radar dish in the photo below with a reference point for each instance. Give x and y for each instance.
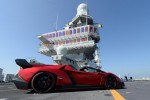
(82, 9)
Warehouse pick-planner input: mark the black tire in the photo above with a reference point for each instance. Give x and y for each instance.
(43, 82)
(110, 82)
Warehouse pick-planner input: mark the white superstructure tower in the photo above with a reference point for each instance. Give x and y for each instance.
(76, 43)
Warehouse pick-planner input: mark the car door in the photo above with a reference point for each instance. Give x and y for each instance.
(89, 78)
(84, 78)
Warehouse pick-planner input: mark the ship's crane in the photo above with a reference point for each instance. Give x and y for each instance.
(76, 44)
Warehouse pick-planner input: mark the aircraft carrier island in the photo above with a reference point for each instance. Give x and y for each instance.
(76, 43)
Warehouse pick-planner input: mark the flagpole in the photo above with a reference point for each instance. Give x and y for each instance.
(56, 23)
(86, 13)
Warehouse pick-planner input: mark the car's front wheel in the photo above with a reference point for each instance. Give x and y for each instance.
(110, 82)
(43, 82)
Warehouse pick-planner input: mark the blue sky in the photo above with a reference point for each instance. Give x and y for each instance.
(125, 36)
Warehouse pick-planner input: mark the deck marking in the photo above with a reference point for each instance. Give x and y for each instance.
(10, 87)
(116, 95)
(128, 92)
(8, 90)
(3, 98)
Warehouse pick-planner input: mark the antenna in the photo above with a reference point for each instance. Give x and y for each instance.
(86, 12)
(56, 23)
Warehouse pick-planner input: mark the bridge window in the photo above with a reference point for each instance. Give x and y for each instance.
(84, 39)
(74, 31)
(78, 40)
(56, 34)
(63, 33)
(59, 33)
(95, 29)
(59, 43)
(82, 29)
(50, 35)
(67, 41)
(74, 40)
(63, 42)
(86, 29)
(53, 34)
(70, 31)
(71, 41)
(67, 32)
(78, 30)
(91, 29)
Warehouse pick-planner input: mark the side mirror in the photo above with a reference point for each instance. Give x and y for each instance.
(63, 67)
(98, 70)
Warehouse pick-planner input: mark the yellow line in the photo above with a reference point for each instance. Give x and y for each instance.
(116, 95)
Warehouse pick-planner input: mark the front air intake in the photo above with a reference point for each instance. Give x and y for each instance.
(23, 63)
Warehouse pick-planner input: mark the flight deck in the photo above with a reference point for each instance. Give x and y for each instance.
(136, 90)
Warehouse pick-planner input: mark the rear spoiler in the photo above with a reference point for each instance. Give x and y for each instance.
(23, 63)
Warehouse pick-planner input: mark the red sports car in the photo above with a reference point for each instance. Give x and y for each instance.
(45, 78)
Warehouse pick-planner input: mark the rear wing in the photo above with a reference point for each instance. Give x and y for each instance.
(23, 63)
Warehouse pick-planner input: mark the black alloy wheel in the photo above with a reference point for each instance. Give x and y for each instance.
(43, 82)
(110, 82)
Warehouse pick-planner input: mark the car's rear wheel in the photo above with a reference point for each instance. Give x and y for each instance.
(110, 82)
(43, 82)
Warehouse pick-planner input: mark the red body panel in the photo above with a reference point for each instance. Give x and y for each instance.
(27, 74)
(66, 75)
